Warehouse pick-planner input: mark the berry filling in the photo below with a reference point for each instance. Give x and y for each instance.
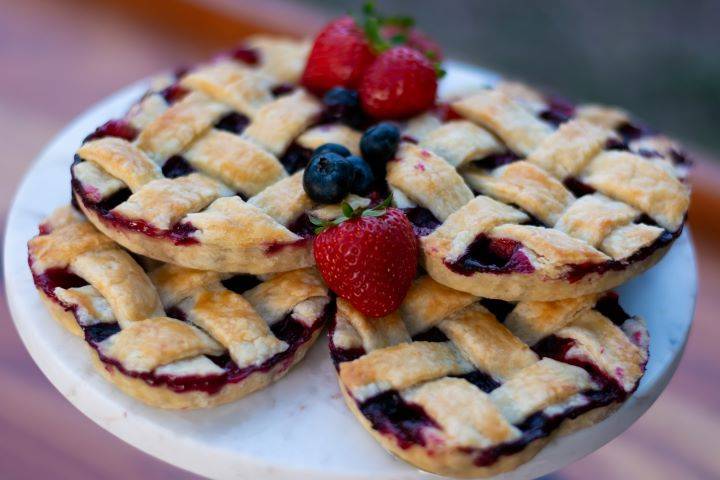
(407, 422)
(233, 122)
(578, 187)
(558, 111)
(495, 160)
(391, 415)
(289, 330)
(502, 255)
(176, 166)
(174, 93)
(246, 55)
(492, 255)
(422, 219)
(114, 128)
(295, 158)
(578, 271)
(282, 89)
(499, 308)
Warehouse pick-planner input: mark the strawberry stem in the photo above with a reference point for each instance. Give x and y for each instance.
(372, 23)
(348, 213)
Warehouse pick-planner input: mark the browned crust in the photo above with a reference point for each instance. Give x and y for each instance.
(204, 256)
(454, 462)
(533, 286)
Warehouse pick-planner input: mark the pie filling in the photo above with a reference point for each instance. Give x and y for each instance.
(291, 331)
(407, 422)
(503, 255)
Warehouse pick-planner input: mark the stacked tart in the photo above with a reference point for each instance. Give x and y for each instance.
(461, 249)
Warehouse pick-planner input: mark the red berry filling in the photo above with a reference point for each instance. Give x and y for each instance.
(294, 333)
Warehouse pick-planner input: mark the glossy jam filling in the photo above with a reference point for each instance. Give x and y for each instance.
(502, 256)
(233, 122)
(422, 220)
(577, 272)
(114, 128)
(176, 166)
(496, 160)
(499, 308)
(295, 158)
(246, 55)
(174, 93)
(291, 331)
(406, 422)
(492, 255)
(557, 111)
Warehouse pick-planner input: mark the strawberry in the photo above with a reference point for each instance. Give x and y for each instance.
(368, 257)
(413, 38)
(339, 57)
(400, 83)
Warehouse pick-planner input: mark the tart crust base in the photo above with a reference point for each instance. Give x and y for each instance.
(532, 286)
(456, 463)
(160, 396)
(204, 256)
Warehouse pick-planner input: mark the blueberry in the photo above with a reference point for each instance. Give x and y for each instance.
(332, 147)
(328, 177)
(343, 104)
(379, 144)
(341, 97)
(363, 177)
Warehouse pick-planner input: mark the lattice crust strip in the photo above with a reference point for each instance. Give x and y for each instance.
(480, 381)
(214, 321)
(225, 163)
(535, 163)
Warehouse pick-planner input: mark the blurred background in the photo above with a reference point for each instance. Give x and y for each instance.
(658, 58)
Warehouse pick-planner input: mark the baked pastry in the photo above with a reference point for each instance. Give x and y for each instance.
(170, 180)
(170, 336)
(522, 198)
(471, 387)
(517, 195)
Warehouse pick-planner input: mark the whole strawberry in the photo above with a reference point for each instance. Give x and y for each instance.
(369, 258)
(400, 83)
(339, 57)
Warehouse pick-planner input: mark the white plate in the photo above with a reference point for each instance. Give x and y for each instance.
(299, 427)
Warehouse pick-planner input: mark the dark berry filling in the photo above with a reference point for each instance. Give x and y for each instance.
(295, 158)
(291, 331)
(174, 93)
(390, 415)
(246, 55)
(282, 89)
(492, 255)
(496, 160)
(558, 111)
(177, 166)
(578, 187)
(114, 128)
(500, 256)
(481, 380)
(241, 283)
(179, 234)
(302, 226)
(422, 219)
(499, 308)
(432, 335)
(233, 122)
(578, 271)
(609, 306)
(631, 131)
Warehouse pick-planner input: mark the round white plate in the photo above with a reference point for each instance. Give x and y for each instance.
(298, 427)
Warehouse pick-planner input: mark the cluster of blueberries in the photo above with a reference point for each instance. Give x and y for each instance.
(333, 172)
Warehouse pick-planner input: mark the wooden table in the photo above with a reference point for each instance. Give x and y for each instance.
(60, 57)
